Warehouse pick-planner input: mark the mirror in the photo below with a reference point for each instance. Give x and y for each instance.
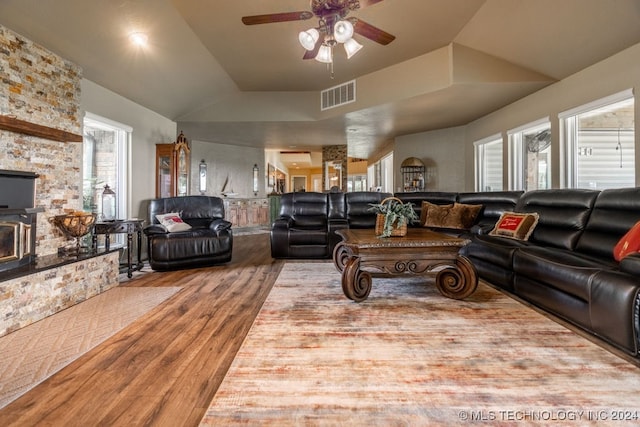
(333, 175)
(255, 179)
(202, 174)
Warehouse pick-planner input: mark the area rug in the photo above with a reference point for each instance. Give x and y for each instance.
(408, 356)
(34, 353)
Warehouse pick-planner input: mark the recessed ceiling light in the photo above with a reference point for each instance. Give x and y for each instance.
(139, 39)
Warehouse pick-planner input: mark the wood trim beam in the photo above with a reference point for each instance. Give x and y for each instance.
(20, 126)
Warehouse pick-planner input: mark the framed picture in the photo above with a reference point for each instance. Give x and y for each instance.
(271, 173)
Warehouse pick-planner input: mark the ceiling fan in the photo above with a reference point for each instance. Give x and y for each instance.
(333, 27)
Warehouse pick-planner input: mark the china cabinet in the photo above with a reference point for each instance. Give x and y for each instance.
(172, 168)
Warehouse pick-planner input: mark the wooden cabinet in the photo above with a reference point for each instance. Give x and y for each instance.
(247, 212)
(274, 207)
(172, 168)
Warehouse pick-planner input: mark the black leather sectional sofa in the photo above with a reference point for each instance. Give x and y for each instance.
(566, 267)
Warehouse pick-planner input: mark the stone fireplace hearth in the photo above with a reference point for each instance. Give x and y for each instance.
(41, 133)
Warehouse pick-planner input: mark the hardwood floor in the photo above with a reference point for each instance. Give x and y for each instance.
(164, 369)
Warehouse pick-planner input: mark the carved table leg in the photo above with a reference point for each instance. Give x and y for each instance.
(356, 284)
(129, 256)
(459, 281)
(340, 256)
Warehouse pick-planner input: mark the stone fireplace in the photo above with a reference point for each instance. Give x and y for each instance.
(41, 143)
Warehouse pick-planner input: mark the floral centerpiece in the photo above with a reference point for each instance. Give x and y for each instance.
(393, 216)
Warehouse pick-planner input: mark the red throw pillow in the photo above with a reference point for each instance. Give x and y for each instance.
(515, 225)
(629, 243)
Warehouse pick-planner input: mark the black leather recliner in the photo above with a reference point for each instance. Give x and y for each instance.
(302, 228)
(208, 242)
(308, 221)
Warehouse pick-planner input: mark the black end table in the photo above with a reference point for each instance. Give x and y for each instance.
(120, 226)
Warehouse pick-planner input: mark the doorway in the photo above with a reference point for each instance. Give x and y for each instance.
(299, 183)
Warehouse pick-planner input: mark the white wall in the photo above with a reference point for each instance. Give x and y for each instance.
(442, 152)
(234, 162)
(612, 75)
(149, 129)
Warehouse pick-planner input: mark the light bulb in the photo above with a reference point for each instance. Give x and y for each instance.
(343, 31)
(352, 47)
(325, 54)
(309, 38)
(139, 39)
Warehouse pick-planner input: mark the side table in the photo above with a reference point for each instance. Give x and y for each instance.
(120, 226)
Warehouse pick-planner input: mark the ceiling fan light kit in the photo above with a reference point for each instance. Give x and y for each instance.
(343, 31)
(352, 47)
(325, 55)
(309, 38)
(333, 28)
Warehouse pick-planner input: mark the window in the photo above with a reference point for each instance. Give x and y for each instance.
(488, 159)
(357, 183)
(105, 162)
(530, 160)
(598, 143)
(380, 174)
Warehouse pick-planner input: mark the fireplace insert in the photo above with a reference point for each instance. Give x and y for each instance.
(18, 218)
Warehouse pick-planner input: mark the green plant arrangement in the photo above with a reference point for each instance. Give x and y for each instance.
(396, 216)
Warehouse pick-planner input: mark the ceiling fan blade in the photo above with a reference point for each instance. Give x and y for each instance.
(371, 32)
(365, 3)
(311, 54)
(277, 17)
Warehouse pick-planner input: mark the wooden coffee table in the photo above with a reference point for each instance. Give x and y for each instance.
(362, 255)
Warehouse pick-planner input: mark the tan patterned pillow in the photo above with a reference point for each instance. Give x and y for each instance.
(458, 216)
(465, 215)
(437, 211)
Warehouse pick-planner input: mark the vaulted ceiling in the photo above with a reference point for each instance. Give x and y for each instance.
(452, 61)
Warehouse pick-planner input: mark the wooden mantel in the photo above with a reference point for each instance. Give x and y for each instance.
(20, 126)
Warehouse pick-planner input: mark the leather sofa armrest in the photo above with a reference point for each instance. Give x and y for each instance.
(219, 224)
(631, 264)
(481, 229)
(334, 225)
(282, 223)
(337, 224)
(152, 229)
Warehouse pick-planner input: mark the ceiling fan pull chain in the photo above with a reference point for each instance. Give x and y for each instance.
(331, 63)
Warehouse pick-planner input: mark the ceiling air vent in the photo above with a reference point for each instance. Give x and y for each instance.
(338, 95)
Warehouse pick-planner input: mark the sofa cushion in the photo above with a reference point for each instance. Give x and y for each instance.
(515, 225)
(311, 222)
(173, 222)
(359, 212)
(197, 243)
(629, 243)
(614, 213)
(494, 203)
(562, 269)
(495, 250)
(563, 215)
